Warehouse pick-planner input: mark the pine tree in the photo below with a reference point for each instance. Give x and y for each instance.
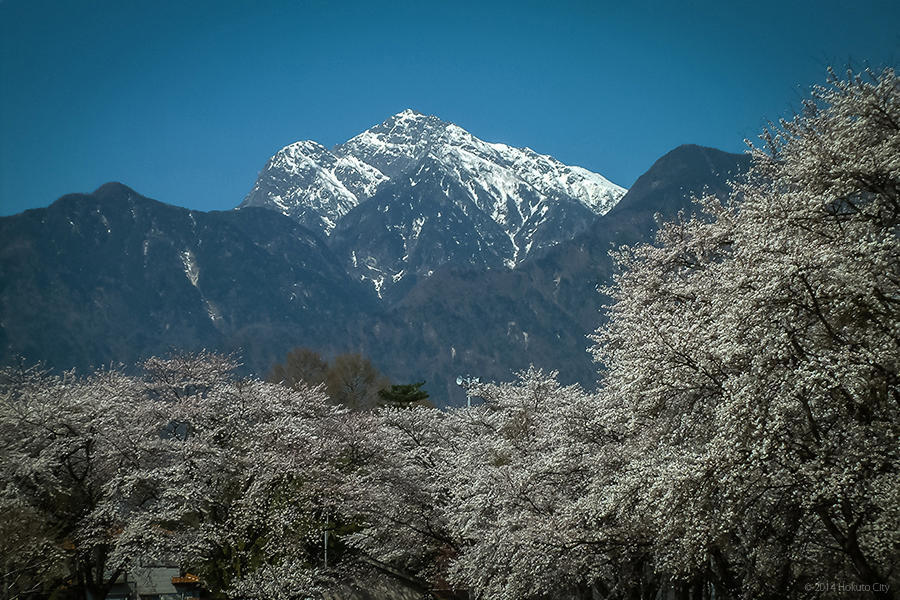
(405, 395)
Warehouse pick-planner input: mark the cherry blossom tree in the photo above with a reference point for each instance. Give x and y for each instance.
(253, 465)
(67, 445)
(396, 494)
(522, 483)
(185, 463)
(496, 501)
(757, 348)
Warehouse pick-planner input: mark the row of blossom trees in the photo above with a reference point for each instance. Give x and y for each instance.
(743, 442)
(183, 463)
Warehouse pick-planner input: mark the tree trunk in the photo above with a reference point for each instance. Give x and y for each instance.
(849, 543)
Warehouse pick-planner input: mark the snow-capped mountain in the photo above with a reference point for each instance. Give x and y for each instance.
(415, 193)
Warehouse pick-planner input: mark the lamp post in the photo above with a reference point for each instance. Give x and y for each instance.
(464, 382)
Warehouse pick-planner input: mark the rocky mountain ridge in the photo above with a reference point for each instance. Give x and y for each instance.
(415, 185)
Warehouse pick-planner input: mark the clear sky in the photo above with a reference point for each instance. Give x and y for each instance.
(185, 101)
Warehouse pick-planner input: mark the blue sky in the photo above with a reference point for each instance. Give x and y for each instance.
(185, 101)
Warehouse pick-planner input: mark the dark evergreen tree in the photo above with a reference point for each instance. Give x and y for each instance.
(405, 395)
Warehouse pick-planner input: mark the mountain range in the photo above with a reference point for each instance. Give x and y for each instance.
(415, 243)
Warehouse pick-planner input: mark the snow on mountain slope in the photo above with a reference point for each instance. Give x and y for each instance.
(406, 138)
(305, 178)
(415, 225)
(527, 200)
(313, 186)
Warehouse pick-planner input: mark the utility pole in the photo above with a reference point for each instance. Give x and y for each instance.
(464, 383)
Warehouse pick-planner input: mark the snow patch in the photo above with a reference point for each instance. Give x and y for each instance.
(191, 271)
(214, 315)
(417, 224)
(378, 282)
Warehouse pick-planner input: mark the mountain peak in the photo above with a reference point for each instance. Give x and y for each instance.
(410, 115)
(396, 144)
(410, 119)
(113, 189)
(306, 147)
(686, 167)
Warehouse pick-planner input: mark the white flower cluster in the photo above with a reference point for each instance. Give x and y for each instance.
(184, 462)
(756, 349)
